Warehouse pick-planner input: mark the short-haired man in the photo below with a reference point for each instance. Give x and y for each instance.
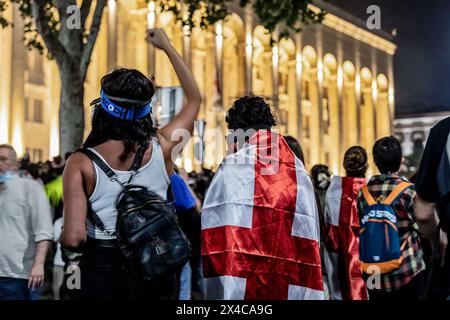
(26, 231)
(407, 281)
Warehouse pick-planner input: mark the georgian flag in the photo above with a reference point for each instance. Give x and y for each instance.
(260, 226)
(341, 240)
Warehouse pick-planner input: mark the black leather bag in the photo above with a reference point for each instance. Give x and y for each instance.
(147, 229)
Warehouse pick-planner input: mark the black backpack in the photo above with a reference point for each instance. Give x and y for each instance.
(147, 229)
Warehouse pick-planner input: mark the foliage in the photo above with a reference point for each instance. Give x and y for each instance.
(31, 36)
(288, 14)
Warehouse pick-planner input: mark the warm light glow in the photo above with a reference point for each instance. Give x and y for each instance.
(382, 82)
(355, 32)
(3, 124)
(219, 43)
(391, 96)
(178, 162)
(374, 89)
(299, 65)
(17, 139)
(188, 165)
(54, 138)
(249, 39)
(358, 82)
(330, 62)
(340, 77)
(391, 92)
(320, 71)
(112, 5)
(275, 55)
(151, 16)
(349, 69)
(151, 6)
(366, 75)
(310, 55)
(219, 29)
(186, 31)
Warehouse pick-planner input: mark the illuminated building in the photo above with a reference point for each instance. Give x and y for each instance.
(331, 85)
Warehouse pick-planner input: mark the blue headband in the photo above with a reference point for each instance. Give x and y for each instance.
(124, 113)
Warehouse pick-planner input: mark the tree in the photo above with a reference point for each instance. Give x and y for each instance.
(289, 14)
(62, 28)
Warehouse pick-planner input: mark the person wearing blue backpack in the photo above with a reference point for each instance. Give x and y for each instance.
(186, 206)
(390, 250)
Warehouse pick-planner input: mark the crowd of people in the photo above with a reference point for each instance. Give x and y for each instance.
(263, 217)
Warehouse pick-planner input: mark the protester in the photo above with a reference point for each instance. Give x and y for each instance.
(321, 177)
(26, 231)
(260, 227)
(433, 196)
(389, 235)
(341, 238)
(116, 140)
(185, 205)
(58, 263)
(295, 147)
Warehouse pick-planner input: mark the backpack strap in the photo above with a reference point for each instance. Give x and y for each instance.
(138, 159)
(366, 194)
(100, 163)
(396, 192)
(92, 216)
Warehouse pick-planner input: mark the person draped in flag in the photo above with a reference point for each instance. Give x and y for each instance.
(260, 226)
(341, 238)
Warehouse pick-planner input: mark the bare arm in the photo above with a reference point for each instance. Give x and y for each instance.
(75, 204)
(185, 119)
(36, 277)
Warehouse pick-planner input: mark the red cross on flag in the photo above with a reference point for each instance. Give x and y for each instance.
(260, 226)
(342, 240)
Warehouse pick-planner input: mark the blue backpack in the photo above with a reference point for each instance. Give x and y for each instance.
(379, 242)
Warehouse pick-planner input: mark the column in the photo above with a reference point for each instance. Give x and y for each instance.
(151, 53)
(187, 45)
(219, 62)
(17, 104)
(374, 91)
(358, 92)
(292, 111)
(340, 83)
(319, 46)
(6, 44)
(112, 34)
(298, 82)
(248, 25)
(391, 92)
(275, 71)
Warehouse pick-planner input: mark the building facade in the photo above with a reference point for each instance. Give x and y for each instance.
(331, 85)
(412, 131)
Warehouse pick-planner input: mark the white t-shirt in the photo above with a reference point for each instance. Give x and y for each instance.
(25, 219)
(57, 228)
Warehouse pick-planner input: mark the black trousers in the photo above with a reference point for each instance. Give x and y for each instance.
(104, 276)
(414, 290)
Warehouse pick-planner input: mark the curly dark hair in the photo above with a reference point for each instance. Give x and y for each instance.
(129, 84)
(355, 162)
(250, 112)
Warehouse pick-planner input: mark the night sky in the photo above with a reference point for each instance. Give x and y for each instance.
(422, 61)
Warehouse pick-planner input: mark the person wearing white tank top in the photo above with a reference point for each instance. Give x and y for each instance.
(152, 175)
(121, 122)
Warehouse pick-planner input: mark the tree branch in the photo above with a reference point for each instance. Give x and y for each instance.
(53, 45)
(70, 39)
(85, 9)
(92, 38)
